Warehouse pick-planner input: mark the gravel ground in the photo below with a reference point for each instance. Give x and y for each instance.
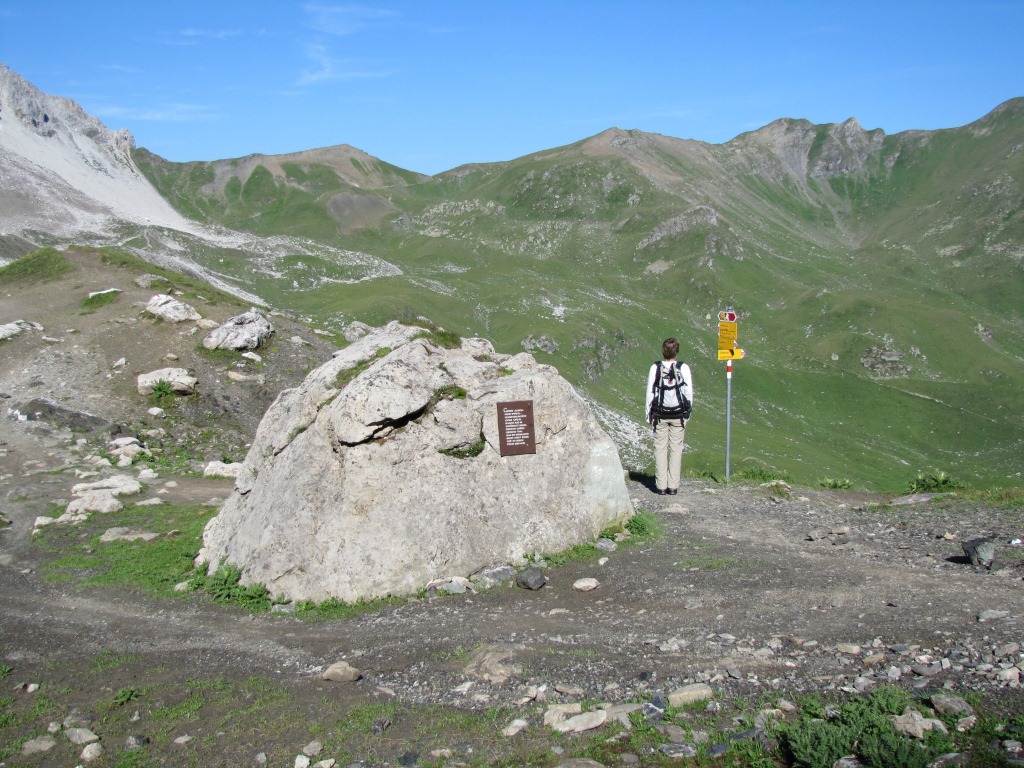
(752, 590)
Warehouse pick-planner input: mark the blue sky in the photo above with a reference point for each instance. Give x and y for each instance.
(429, 86)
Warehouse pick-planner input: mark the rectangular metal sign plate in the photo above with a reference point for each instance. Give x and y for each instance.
(516, 435)
(728, 330)
(730, 354)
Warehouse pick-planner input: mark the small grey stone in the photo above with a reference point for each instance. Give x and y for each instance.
(690, 693)
(652, 712)
(77, 719)
(678, 750)
(313, 749)
(93, 751)
(945, 704)
(981, 552)
(926, 670)
(80, 736)
(991, 615)
(493, 575)
(37, 745)
(341, 672)
(136, 741)
(671, 731)
(531, 578)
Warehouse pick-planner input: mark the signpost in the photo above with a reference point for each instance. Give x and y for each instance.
(728, 333)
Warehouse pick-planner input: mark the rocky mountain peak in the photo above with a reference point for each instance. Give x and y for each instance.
(68, 173)
(48, 116)
(804, 150)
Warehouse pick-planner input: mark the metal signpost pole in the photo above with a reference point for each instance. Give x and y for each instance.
(728, 414)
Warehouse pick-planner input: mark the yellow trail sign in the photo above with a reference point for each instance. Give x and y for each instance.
(730, 354)
(726, 343)
(728, 330)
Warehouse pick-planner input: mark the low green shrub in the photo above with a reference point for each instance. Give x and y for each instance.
(836, 483)
(861, 727)
(162, 393)
(935, 483)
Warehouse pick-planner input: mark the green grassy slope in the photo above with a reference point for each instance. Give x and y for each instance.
(879, 279)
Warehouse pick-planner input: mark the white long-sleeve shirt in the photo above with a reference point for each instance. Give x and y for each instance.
(669, 368)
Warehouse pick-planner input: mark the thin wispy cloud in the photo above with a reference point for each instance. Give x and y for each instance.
(344, 19)
(121, 68)
(163, 113)
(210, 34)
(330, 68)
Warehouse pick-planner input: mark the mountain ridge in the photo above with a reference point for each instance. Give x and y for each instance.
(840, 247)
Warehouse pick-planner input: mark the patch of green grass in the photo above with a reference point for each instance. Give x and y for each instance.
(40, 266)
(442, 338)
(757, 473)
(835, 483)
(125, 695)
(448, 392)
(333, 610)
(154, 567)
(104, 661)
(226, 356)
(186, 709)
(5, 669)
(645, 525)
(347, 375)
(467, 452)
(94, 302)
(696, 555)
(1007, 498)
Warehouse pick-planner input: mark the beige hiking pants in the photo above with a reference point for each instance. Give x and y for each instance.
(668, 452)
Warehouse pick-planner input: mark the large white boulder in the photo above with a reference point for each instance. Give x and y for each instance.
(346, 493)
(245, 331)
(171, 309)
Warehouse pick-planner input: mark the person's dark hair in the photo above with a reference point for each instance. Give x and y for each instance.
(669, 348)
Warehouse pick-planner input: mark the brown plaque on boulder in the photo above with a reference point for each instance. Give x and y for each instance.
(516, 434)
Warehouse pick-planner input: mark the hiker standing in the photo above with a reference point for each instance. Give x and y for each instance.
(669, 397)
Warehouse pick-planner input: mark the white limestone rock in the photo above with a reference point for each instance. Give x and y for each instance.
(94, 501)
(345, 492)
(179, 379)
(118, 485)
(8, 330)
(222, 469)
(245, 331)
(171, 309)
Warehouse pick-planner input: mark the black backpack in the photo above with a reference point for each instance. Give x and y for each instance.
(658, 409)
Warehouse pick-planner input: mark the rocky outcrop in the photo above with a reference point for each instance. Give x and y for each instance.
(383, 472)
(9, 330)
(245, 331)
(171, 310)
